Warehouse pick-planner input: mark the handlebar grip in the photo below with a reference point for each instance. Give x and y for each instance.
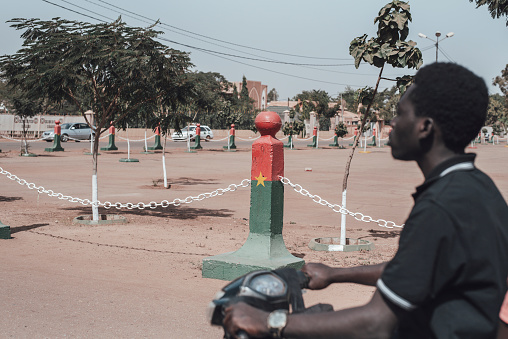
(242, 335)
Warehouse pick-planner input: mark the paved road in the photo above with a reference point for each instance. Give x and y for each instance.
(38, 147)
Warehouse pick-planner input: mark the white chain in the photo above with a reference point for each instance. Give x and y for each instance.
(338, 208)
(118, 205)
(190, 199)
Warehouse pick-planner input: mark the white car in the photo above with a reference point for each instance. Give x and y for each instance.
(190, 132)
(75, 131)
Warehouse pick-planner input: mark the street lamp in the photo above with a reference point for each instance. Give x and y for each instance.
(438, 34)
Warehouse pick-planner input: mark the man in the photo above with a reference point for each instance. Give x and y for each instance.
(448, 277)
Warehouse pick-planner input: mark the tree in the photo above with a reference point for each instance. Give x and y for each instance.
(349, 96)
(389, 47)
(109, 68)
(273, 95)
(497, 8)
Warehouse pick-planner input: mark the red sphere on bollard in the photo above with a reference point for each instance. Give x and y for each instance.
(198, 129)
(58, 128)
(268, 123)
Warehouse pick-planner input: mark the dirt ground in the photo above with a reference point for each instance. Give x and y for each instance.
(143, 279)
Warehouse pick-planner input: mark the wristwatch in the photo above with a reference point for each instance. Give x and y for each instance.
(276, 322)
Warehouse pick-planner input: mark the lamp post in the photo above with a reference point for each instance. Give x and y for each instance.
(438, 34)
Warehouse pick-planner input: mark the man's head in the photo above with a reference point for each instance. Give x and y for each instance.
(444, 96)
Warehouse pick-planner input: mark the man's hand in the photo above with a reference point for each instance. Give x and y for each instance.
(319, 275)
(242, 317)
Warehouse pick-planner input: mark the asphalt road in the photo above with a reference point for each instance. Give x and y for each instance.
(38, 147)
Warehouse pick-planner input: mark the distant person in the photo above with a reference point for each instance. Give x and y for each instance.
(448, 277)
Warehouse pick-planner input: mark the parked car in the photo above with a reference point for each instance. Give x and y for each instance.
(75, 130)
(190, 131)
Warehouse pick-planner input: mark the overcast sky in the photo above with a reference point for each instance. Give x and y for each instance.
(287, 31)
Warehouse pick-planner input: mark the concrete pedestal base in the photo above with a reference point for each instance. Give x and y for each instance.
(333, 245)
(128, 160)
(5, 231)
(229, 266)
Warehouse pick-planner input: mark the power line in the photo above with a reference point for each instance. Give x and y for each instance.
(216, 54)
(223, 41)
(212, 51)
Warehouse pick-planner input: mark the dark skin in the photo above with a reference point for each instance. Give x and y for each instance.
(413, 138)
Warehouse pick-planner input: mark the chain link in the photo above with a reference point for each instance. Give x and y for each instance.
(129, 205)
(190, 199)
(338, 208)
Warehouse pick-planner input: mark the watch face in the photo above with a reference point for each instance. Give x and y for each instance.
(277, 319)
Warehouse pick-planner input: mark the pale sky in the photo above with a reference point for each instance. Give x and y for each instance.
(287, 31)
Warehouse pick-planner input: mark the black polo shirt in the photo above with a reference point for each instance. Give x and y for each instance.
(448, 277)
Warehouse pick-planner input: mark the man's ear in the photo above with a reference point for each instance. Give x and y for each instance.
(427, 127)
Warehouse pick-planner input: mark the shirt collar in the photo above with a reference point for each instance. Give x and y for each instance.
(464, 162)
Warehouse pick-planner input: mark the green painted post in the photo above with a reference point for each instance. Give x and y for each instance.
(231, 143)
(314, 138)
(290, 142)
(197, 138)
(158, 144)
(264, 248)
(111, 146)
(5, 231)
(335, 141)
(56, 139)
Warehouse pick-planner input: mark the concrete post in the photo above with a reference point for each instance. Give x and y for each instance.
(264, 248)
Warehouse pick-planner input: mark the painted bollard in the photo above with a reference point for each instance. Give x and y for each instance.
(231, 143)
(157, 144)
(373, 138)
(197, 138)
(56, 139)
(264, 247)
(314, 138)
(111, 146)
(335, 141)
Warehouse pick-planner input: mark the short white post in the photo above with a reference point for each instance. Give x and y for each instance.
(343, 220)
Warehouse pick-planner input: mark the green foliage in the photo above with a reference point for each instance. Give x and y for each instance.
(273, 95)
(293, 128)
(316, 100)
(350, 97)
(109, 68)
(341, 130)
(497, 8)
(389, 46)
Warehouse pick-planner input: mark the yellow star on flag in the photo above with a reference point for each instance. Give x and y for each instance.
(261, 179)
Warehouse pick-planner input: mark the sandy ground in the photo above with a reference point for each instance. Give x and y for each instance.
(143, 279)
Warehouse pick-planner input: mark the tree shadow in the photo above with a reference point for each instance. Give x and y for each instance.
(26, 228)
(171, 212)
(384, 234)
(9, 199)
(191, 181)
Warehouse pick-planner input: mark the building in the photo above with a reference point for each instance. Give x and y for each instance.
(257, 92)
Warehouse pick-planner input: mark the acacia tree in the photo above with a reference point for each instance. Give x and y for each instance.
(109, 68)
(389, 47)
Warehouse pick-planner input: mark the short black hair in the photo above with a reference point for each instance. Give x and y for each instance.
(455, 98)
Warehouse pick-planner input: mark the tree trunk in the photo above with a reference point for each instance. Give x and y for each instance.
(348, 163)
